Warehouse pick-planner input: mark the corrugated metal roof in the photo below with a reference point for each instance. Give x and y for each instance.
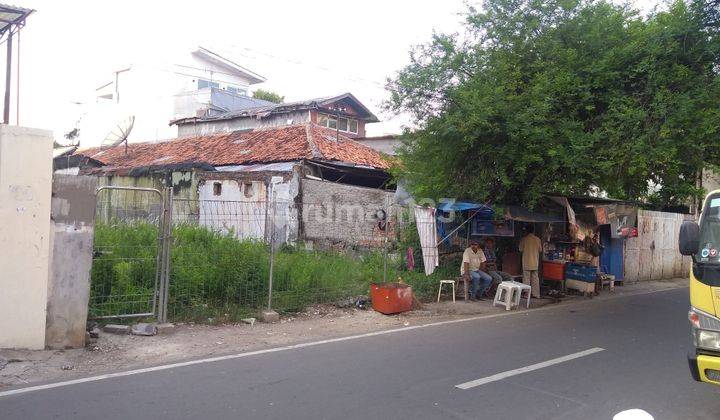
(12, 15)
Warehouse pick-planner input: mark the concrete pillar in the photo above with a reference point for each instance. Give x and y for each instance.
(25, 188)
(73, 217)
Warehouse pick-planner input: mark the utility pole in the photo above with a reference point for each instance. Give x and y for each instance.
(8, 76)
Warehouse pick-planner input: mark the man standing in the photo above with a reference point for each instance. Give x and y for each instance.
(473, 264)
(530, 247)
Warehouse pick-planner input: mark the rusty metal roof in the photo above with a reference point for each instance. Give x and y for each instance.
(283, 144)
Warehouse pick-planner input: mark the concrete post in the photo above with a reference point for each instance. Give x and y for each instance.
(25, 189)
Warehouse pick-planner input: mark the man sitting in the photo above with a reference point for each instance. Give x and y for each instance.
(473, 264)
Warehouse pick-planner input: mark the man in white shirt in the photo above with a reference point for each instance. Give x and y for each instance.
(473, 264)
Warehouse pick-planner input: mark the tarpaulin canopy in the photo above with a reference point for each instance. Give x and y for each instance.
(476, 209)
(522, 214)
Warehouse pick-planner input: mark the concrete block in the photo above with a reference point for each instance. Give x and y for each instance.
(117, 329)
(144, 329)
(269, 316)
(165, 328)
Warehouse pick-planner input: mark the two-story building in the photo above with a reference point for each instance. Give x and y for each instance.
(342, 113)
(154, 92)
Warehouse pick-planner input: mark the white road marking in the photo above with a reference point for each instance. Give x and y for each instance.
(536, 366)
(301, 345)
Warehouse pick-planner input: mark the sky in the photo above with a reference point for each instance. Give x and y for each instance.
(304, 49)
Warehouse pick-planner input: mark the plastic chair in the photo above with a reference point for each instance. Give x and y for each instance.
(509, 292)
(450, 282)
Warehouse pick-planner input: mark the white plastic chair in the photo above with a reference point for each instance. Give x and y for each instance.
(451, 282)
(509, 292)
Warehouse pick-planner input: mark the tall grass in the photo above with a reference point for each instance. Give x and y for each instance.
(215, 276)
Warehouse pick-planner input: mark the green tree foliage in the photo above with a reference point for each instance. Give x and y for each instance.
(268, 96)
(563, 96)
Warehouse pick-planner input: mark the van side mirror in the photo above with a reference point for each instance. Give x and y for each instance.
(689, 242)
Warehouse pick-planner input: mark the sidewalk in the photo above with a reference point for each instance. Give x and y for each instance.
(189, 341)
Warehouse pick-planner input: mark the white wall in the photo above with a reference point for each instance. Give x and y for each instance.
(25, 190)
(242, 210)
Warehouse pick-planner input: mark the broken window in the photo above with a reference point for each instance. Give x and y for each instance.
(248, 189)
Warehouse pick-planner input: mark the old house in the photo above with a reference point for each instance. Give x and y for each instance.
(323, 188)
(342, 113)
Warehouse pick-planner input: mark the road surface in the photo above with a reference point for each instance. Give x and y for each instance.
(582, 361)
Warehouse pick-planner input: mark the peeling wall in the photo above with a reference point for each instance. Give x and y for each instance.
(238, 201)
(338, 215)
(73, 216)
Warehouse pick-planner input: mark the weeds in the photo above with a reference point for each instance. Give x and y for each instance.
(218, 278)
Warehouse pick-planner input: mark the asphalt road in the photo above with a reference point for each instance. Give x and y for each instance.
(413, 374)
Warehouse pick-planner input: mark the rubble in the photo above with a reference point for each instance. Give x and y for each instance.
(144, 329)
(269, 316)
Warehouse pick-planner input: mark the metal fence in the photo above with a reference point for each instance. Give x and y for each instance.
(126, 254)
(225, 260)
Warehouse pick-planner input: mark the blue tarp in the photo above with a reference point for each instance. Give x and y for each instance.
(475, 210)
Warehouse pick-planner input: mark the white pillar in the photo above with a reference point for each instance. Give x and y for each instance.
(25, 189)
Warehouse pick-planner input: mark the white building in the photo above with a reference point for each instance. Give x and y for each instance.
(199, 82)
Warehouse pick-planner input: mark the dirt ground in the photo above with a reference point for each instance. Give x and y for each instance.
(190, 341)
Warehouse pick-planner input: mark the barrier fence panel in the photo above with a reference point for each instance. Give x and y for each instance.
(124, 277)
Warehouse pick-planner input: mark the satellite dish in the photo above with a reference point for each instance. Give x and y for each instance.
(119, 134)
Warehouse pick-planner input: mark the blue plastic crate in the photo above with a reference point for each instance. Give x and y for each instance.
(580, 272)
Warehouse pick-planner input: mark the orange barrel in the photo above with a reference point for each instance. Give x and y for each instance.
(391, 298)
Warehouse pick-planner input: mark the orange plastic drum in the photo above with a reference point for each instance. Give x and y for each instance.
(391, 298)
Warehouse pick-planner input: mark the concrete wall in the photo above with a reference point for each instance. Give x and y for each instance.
(337, 215)
(654, 254)
(25, 185)
(226, 126)
(242, 201)
(388, 146)
(73, 216)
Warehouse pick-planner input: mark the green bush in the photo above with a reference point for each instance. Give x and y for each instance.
(215, 276)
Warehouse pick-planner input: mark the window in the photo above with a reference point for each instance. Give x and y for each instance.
(235, 90)
(217, 188)
(347, 125)
(248, 187)
(202, 83)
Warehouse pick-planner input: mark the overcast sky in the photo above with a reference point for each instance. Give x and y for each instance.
(305, 49)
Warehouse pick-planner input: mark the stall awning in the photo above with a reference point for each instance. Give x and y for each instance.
(476, 209)
(522, 214)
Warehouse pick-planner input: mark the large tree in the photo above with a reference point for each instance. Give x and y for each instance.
(563, 96)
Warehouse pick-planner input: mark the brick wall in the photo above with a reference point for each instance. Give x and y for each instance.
(339, 216)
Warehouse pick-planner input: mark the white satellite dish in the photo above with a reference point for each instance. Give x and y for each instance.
(119, 134)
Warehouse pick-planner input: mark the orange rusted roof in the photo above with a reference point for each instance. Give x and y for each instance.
(282, 144)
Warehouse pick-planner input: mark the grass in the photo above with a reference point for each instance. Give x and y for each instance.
(217, 278)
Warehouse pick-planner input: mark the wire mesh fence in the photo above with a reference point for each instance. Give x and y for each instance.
(225, 254)
(125, 254)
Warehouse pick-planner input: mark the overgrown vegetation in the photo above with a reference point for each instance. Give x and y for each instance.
(564, 96)
(217, 277)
